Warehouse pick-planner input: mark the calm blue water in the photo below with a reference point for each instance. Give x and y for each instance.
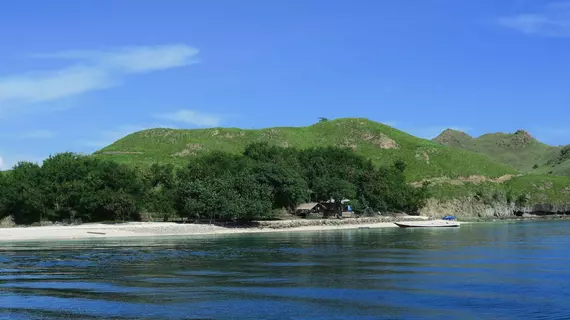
(483, 271)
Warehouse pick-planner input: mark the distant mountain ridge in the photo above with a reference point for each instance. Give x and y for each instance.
(378, 142)
(519, 150)
(467, 175)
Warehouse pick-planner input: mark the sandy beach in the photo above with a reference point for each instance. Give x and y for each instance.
(163, 229)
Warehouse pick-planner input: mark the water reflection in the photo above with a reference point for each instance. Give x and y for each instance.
(479, 271)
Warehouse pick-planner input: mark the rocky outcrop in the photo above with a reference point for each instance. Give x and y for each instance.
(454, 138)
(7, 222)
(542, 209)
(472, 208)
(466, 207)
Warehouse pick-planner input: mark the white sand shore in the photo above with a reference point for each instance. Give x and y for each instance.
(161, 229)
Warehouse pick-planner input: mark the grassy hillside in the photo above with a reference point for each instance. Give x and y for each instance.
(558, 164)
(538, 188)
(381, 143)
(518, 150)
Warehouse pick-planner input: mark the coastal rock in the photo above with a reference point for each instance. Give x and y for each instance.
(528, 215)
(465, 207)
(334, 222)
(472, 208)
(7, 222)
(545, 209)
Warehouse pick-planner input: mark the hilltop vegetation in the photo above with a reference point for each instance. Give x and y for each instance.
(521, 190)
(382, 144)
(560, 163)
(214, 186)
(235, 174)
(518, 150)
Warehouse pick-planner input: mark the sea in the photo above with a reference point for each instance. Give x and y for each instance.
(498, 270)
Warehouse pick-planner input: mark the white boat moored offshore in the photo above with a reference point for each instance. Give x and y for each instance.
(427, 224)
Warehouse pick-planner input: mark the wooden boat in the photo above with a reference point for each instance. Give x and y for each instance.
(427, 224)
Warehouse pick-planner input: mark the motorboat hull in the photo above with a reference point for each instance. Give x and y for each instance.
(427, 224)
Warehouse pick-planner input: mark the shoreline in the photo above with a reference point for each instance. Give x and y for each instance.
(130, 230)
(137, 230)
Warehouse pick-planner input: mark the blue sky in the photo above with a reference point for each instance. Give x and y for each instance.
(77, 75)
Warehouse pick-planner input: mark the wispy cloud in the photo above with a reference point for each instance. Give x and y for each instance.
(185, 117)
(132, 59)
(47, 86)
(26, 135)
(191, 117)
(38, 134)
(91, 70)
(8, 161)
(552, 20)
(106, 137)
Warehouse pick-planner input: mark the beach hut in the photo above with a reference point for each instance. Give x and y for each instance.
(310, 209)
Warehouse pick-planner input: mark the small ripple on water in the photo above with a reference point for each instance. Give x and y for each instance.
(19, 277)
(79, 286)
(291, 264)
(475, 272)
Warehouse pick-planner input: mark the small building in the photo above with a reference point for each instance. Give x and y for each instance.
(325, 209)
(310, 209)
(334, 209)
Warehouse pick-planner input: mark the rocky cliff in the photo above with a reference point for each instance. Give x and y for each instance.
(472, 208)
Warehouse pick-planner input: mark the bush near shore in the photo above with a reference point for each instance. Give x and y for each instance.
(215, 186)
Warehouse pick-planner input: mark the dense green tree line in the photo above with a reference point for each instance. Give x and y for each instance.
(217, 186)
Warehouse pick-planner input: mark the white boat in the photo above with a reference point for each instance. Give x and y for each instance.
(427, 224)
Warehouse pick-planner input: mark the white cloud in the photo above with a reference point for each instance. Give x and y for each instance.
(186, 117)
(552, 20)
(48, 86)
(134, 59)
(191, 117)
(38, 134)
(91, 70)
(7, 162)
(109, 136)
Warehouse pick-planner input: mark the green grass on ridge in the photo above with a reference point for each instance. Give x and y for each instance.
(381, 143)
(518, 150)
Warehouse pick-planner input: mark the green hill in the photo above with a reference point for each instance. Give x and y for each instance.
(518, 150)
(381, 143)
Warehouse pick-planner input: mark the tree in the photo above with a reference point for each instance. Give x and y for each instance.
(63, 176)
(216, 186)
(231, 197)
(279, 168)
(106, 186)
(288, 186)
(23, 197)
(400, 165)
(4, 196)
(159, 182)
